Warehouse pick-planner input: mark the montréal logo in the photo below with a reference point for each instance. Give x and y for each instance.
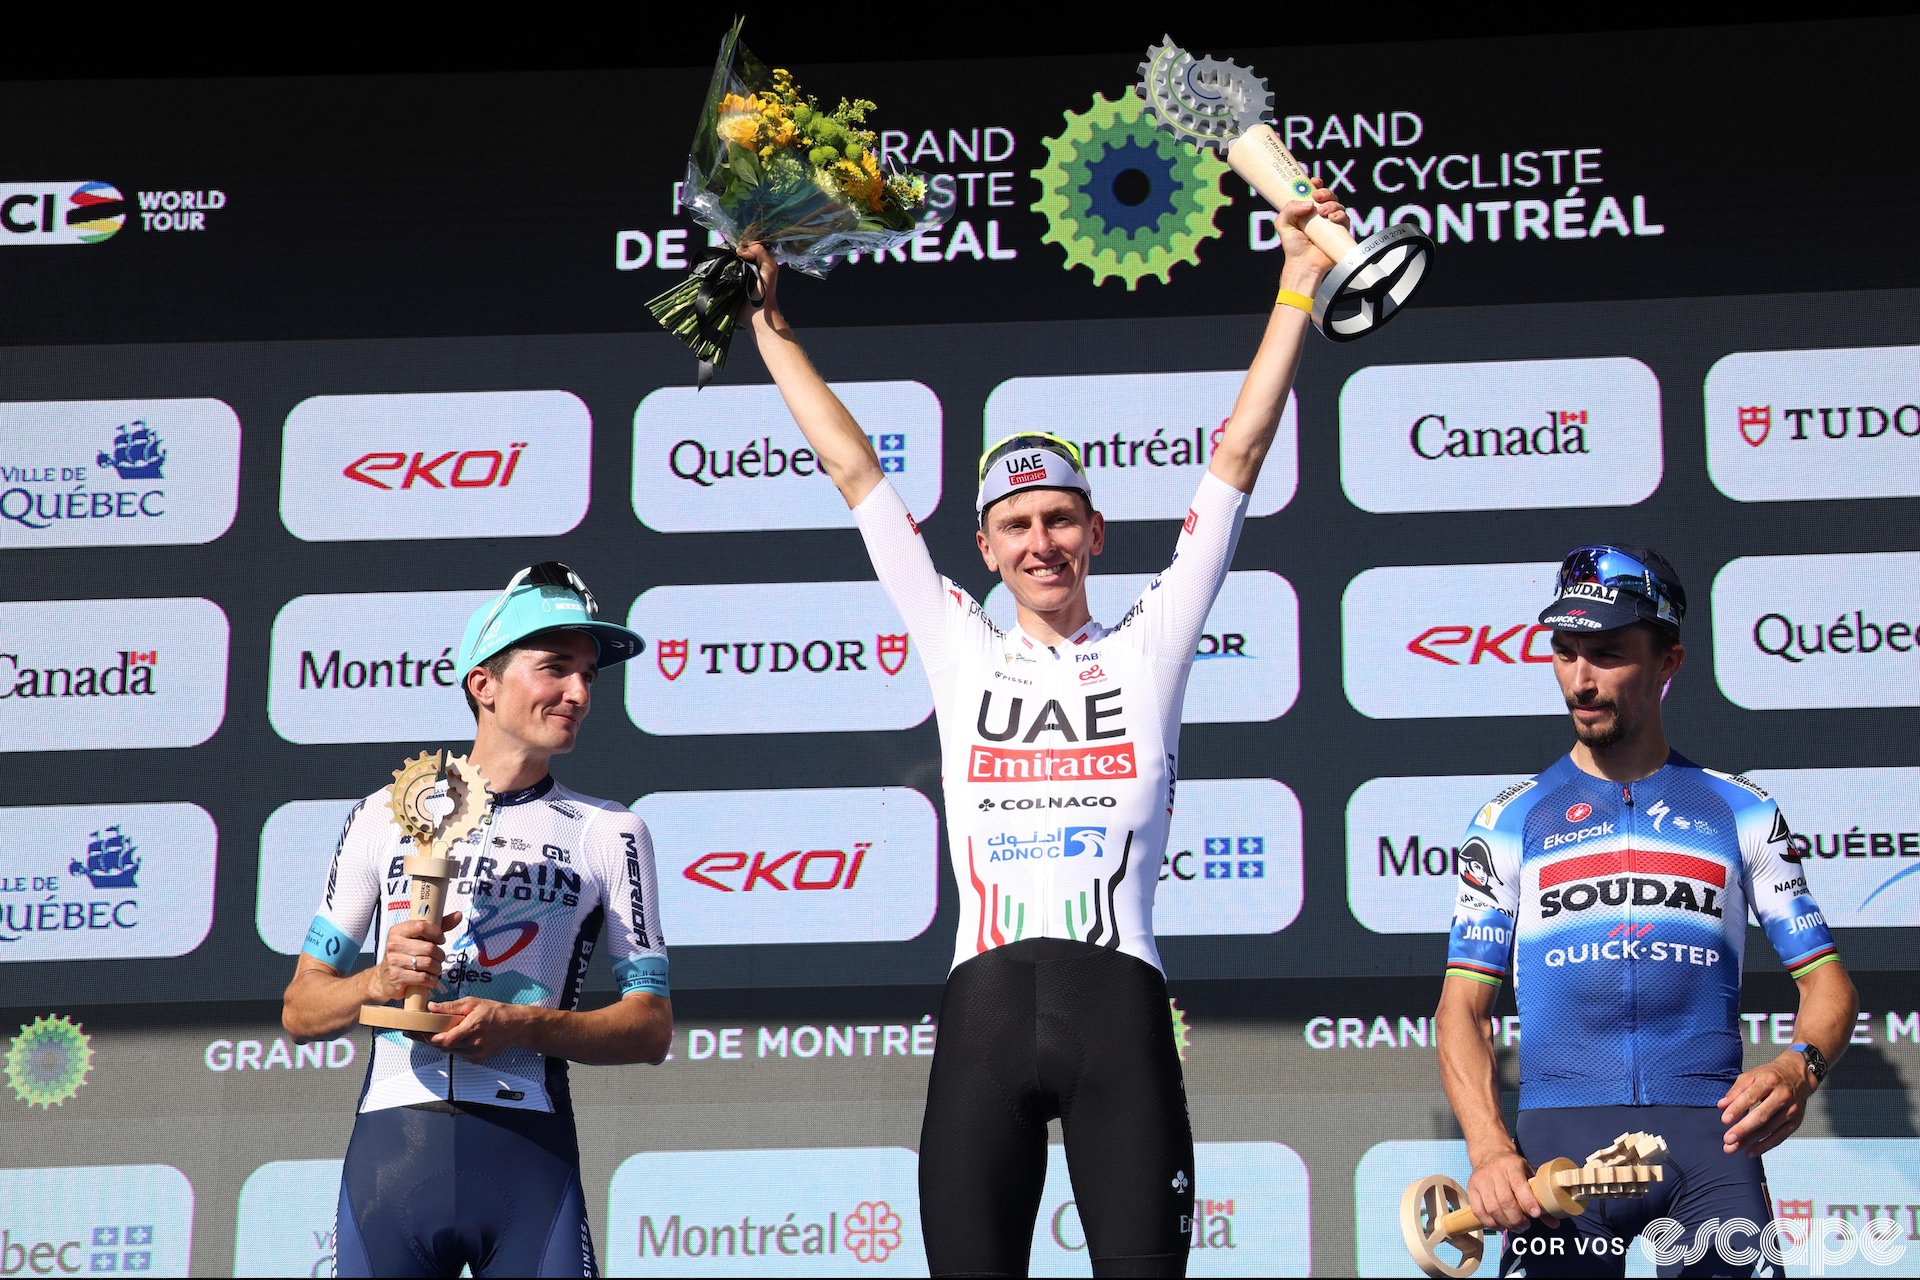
(1563, 432)
(1836, 422)
(779, 657)
(453, 469)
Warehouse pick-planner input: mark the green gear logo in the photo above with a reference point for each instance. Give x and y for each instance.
(1181, 1031)
(1124, 198)
(48, 1061)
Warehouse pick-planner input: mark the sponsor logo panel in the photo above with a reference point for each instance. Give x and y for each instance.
(1249, 1213)
(105, 881)
(801, 657)
(1500, 435)
(96, 1219)
(376, 667)
(731, 458)
(1450, 640)
(116, 473)
(1787, 426)
(834, 1212)
(1233, 862)
(1854, 1180)
(1862, 833)
(111, 674)
(1818, 631)
(296, 846)
(1247, 664)
(468, 464)
(1405, 851)
(849, 864)
(1145, 438)
(285, 1221)
(1378, 1183)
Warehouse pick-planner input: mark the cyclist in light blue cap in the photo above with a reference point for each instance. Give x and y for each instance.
(464, 1152)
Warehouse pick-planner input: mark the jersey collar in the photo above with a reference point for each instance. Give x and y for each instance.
(525, 795)
(1019, 642)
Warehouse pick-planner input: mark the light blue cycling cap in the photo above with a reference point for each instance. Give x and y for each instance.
(544, 597)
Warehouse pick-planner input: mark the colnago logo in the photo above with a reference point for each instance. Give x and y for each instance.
(95, 1219)
(1502, 435)
(496, 464)
(831, 865)
(1860, 829)
(97, 473)
(60, 212)
(1488, 659)
(296, 851)
(850, 1210)
(1641, 878)
(111, 674)
(377, 667)
(1233, 860)
(1247, 664)
(95, 882)
(731, 458)
(774, 658)
(1796, 425)
(1145, 438)
(1819, 631)
(1407, 861)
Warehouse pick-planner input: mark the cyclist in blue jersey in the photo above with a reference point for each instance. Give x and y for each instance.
(1615, 888)
(464, 1151)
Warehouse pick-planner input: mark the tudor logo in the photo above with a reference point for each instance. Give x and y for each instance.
(1579, 812)
(891, 652)
(1788, 426)
(672, 657)
(1756, 418)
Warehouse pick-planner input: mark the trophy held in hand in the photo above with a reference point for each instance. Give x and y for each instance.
(438, 798)
(1211, 103)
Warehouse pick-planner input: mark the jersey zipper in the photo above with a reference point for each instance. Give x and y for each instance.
(1633, 1004)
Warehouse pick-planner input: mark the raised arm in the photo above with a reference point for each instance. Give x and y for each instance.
(1256, 414)
(837, 440)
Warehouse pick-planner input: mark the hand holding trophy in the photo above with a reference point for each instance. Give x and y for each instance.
(1207, 102)
(438, 798)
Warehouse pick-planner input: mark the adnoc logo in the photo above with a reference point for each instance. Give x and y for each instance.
(60, 212)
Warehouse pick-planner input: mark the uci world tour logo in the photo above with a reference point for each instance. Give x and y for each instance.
(60, 212)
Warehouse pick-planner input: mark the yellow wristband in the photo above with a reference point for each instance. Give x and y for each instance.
(1288, 298)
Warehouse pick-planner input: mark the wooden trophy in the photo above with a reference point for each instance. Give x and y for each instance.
(1434, 1213)
(438, 798)
(1207, 102)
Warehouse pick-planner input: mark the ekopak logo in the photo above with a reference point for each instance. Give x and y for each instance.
(469, 464)
(1449, 640)
(1233, 860)
(1145, 438)
(1247, 664)
(805, 657)
(732, 458)
(60, 212)
(1796, 425)
(1862, 833)
(1819, 630)
(1500, 435)
(100, 882)
(111, 674)
(101, 473)
(374, 667)
(1405, 848)
(738, 868)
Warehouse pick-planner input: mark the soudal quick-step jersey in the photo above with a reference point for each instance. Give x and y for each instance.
(538, 879)
(1622, 911)
(1060, 761)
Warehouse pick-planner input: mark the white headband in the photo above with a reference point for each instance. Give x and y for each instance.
(1037, 467)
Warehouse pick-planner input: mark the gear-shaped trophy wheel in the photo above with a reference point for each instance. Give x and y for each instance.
(434, 819)
(1205, 101)
(48, 1061)
(1122, 198)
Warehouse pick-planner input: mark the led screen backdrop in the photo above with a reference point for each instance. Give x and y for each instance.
(297, 372)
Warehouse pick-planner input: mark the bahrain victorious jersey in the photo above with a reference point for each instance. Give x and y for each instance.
(1622, 911)
(544, 871)
(1059, 762)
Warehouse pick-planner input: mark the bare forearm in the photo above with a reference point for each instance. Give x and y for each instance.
(634, 1029)
(1829, 1006)
(320, 1003)
(837, 439)
(1471, 1077)
(1243, 447)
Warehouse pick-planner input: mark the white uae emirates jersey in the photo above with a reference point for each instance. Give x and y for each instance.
(1060, 761)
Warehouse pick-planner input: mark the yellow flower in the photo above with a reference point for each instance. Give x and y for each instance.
(733, 104)
(740, 129)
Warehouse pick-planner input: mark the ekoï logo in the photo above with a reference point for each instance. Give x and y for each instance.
(1501, 435)
(499, 464)
(1144, 438)
(1456, 644)
(1793, 425)
(60, 212)
(805, 869)
(1819, 630)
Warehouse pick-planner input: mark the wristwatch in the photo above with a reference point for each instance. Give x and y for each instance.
(1816, 1061)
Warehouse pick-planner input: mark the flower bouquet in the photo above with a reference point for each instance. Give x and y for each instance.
(771, 166)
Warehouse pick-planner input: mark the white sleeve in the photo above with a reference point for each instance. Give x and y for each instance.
(352, 896)
(1171, 614)
(621, 849)
(934, 608)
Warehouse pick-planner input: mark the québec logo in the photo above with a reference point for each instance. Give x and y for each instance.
(113, 861)
(137, 453)
(779, 657)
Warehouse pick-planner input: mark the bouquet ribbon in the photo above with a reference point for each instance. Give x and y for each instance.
(703, 309)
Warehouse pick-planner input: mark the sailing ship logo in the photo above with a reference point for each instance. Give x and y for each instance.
(112, 861)
(137, 453)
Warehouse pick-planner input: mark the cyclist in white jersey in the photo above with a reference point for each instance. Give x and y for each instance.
(1060, 742)
(464, 1151)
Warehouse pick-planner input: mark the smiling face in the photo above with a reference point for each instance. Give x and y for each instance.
(541, 697)
(1042, 543)
(1613, 681)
